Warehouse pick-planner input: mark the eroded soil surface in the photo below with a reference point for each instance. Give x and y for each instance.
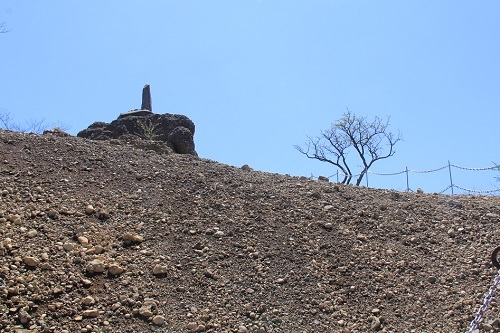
(107, 237)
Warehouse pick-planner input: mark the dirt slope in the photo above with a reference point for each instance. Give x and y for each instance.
(103, 237)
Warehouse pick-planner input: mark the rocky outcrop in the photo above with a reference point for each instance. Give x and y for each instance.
(176, 131)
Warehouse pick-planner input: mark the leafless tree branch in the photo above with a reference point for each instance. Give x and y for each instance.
(371, 141)
(33, 126)
(3, 28)
(7, 122)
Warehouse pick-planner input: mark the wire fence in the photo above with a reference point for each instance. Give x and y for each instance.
(452, 186)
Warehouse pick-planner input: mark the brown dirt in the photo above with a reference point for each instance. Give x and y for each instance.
(237, 251)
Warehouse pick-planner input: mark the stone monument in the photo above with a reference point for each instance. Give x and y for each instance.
(146, 98)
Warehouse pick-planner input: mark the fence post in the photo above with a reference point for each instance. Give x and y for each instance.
(337, 175)
(366, 174)
(407, 182)
(451, 179)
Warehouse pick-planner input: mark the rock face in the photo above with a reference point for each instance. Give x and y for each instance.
(176, 131)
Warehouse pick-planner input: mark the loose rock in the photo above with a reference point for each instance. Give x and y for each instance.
(31, 261)
(158, 320)
(89, 210)
(114, 269)
(96, 266)
(160, 269)
(132, 238)
(91, 313)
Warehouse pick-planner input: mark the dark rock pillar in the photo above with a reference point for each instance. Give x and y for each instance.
(146, 99)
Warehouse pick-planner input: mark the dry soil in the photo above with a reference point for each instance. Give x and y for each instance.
(108, 237)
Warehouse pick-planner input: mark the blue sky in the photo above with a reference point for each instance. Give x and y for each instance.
(257, 77)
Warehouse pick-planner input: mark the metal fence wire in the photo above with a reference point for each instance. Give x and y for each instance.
(449, 166)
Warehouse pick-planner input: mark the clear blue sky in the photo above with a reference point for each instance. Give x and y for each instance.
(256, 77)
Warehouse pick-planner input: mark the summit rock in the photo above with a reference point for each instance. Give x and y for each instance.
(147, 129)
(176, 131)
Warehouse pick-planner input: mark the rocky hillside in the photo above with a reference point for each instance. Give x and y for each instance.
(100, 236)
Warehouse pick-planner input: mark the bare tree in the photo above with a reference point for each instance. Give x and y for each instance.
(3, 28)
(371, 141)
(32, 125)
(7, 121)
(36, 125)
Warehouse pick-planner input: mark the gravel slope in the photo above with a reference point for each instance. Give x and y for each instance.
(107, 237)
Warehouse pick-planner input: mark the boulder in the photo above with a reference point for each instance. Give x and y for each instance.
(176, 131)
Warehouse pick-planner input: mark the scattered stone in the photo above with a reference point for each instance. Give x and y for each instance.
(96, 266)
(14, 218)
(89, 210)
(69, 246)
(103, 215)
(83, 240)
(192, 326)
(129, 238)
(316, 195)
(89, 300)
(31, 261)
(209, 274)
(58, 291)
(160, 269)
(53, 214)
(145, 312)
(24, 317)
(200, 328)
(148, 308)
(86, 282)
(98, 249)
(327, 225)
(32, 233)
(323, 179)
(375, 323)
(158, 320)
(91, 313)
(114, 269)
